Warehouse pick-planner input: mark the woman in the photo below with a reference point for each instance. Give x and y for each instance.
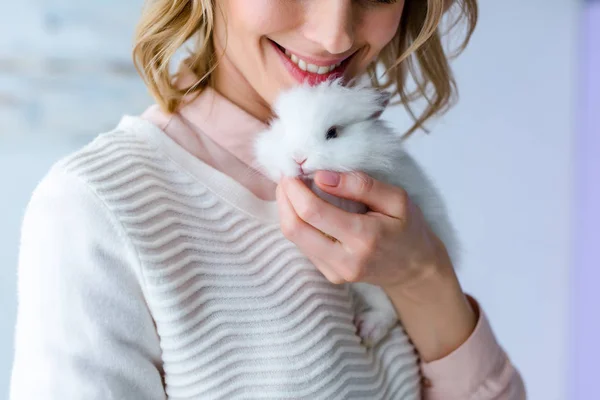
(156, 263)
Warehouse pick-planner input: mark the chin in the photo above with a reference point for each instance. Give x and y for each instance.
(291, 175)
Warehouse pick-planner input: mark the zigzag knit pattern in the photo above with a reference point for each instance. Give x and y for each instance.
(239, 311)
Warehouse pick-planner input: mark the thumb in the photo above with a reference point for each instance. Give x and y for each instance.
(357, 186)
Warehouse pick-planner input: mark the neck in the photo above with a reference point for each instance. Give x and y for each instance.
(232, 85)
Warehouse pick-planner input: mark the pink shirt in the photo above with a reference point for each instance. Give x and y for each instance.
(220, 134)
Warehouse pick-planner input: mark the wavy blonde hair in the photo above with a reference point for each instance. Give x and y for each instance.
(415, 53)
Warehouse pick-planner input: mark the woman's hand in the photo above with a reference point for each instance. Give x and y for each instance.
(390, 246)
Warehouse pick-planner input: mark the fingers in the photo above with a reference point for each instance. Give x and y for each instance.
(313, 243)
(378, 196)
(342, 225)
(327, 270)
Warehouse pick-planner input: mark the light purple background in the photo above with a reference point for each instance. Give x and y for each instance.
(585, 370)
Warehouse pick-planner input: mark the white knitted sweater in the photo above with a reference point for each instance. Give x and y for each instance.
(146, 274)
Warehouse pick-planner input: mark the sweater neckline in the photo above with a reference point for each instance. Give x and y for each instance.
(222, 185)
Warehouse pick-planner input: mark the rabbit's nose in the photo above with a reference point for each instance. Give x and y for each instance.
(300, 160)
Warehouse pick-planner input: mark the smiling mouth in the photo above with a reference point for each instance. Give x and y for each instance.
(306, 174)
(310, 68)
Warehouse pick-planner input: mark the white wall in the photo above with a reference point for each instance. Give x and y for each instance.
(502, 156)
(65, 66)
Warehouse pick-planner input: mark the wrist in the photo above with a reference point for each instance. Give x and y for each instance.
(435, 312)
(433, 278)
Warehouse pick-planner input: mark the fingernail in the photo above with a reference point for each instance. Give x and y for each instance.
(329, 178)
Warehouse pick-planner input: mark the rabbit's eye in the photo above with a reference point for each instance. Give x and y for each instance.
(332, 133)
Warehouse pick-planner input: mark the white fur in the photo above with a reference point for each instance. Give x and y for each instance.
(364, 143)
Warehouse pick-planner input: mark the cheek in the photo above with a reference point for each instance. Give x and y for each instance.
(289, 169)
(283, 165)
(323, 159)
(342, 157)
(256, 15)
(279, 163)
(241, 31)
(378, 27)
(242, 23)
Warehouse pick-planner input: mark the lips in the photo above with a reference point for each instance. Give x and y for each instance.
(308, 71)
(313, 68)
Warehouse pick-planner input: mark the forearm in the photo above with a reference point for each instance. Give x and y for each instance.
(435, 312)
(461, 358)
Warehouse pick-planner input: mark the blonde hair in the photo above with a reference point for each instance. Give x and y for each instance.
(415, 52)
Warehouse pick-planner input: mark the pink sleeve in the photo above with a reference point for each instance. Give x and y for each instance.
(478, 370)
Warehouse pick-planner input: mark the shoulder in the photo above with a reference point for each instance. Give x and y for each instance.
(72, 225)
(64, 216)
(108, 167)
(112, 151)
(87, 186)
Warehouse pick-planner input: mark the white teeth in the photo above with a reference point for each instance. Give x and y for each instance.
(315, 69)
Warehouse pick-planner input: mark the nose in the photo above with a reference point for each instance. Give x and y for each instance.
(331, 25)
(300, 160)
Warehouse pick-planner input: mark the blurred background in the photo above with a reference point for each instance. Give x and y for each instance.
(515, 159)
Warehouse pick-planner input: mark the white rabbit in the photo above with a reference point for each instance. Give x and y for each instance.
(337, 128)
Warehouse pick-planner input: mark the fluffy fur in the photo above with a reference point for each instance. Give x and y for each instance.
(363, 142)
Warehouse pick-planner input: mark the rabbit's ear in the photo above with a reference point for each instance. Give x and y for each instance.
(383, 101)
